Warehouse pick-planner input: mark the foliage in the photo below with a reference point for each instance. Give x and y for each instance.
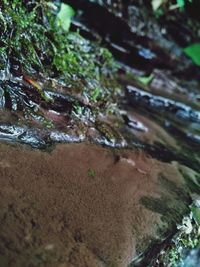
(64, 16)
(193, 51)
(187, 239)
(35, 38)
(181, 3)
(22, 36)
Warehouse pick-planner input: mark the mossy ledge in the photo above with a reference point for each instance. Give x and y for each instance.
(33, 44)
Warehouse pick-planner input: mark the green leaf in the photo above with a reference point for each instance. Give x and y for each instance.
(95, 94)
(91, 173)
(64, 16)
(156, 4)
(196, 213)
(146, 79)
(180, 3)
(193, 51)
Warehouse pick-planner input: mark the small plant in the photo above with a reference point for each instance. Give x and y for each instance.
(78, 109)
(95, 94)
(91, 173)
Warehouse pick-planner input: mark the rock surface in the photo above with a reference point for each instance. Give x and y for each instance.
(83, 205)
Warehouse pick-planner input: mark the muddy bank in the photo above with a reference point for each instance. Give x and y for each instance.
(84, 205)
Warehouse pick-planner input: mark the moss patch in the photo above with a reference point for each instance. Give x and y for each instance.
(33, 43)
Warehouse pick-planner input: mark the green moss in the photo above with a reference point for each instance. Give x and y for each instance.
(175, 252)
(32, 41)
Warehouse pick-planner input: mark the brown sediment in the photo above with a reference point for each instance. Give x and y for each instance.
(78, 205)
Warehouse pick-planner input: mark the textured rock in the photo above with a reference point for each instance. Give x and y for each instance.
(84, 205)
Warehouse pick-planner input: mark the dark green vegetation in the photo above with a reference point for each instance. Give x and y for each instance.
(44, 66)
(33, 42)
(183, 249)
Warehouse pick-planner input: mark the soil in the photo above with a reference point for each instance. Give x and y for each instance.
(79, 205)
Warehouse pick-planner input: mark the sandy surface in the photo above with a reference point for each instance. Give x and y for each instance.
(79, 205)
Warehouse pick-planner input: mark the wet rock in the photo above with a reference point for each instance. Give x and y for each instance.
(176, 124)
(25, 135)
(2, 99)
(162, 104)
(148, 131)
(60, 137)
